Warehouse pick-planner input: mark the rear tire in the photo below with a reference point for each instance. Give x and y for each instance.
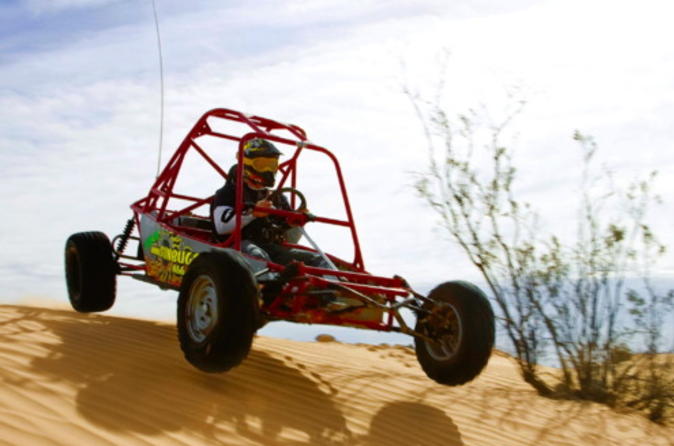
(91, 272)
(217, 311)
(461, 320)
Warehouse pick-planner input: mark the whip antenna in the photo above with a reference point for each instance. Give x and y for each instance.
(161, 86)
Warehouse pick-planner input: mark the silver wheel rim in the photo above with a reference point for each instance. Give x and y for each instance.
(202, 308)
(448, 342)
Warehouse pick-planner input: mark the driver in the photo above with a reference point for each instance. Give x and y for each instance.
(260, 164)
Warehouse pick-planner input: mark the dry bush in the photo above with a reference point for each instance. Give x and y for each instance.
(565, 297)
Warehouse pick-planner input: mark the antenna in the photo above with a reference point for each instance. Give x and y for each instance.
(161, 86)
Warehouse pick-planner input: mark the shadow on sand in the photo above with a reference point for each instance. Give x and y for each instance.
(130, 375)
(403, 423)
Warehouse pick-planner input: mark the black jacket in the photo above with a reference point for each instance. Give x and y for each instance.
(254, 231)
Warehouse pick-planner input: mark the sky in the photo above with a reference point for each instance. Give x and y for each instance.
(80, 112)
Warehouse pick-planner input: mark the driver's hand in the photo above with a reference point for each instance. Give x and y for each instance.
(296, 222)
(263, 204)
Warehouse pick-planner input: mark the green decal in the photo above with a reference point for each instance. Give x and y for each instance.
(151, 240)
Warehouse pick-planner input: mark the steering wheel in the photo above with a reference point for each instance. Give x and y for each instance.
(303, 201)
(293, 217)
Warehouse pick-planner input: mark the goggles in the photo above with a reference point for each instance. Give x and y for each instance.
(262, 164)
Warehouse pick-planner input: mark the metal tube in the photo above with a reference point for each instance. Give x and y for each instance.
(318, 249)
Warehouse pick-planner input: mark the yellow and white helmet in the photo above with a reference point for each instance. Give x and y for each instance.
(260, 163)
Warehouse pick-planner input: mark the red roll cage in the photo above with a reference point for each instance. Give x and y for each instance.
(370, 291)
(156, 202)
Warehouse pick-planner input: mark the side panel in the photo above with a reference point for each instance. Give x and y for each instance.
(169, 254)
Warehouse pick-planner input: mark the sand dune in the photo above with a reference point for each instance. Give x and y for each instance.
(72, 379)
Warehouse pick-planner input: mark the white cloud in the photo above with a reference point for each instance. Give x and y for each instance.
(78, 126)
(48, 6)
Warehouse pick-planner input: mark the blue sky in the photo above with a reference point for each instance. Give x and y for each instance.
(79, 109)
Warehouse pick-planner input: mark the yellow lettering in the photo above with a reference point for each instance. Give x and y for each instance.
(179, 270)
(175, 255)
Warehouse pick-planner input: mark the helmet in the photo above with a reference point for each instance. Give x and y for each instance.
(260, 163)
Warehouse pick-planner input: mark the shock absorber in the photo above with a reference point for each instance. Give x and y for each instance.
(124, 238)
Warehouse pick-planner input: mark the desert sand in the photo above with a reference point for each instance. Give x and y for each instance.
(73, 379)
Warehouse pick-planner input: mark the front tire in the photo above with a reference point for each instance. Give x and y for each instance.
(217, 311)
(91, 272)
(461, 321)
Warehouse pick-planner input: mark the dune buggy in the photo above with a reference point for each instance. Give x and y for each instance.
(225, 295)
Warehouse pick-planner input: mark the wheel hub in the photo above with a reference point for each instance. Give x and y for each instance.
(202, 308)
(444, 325)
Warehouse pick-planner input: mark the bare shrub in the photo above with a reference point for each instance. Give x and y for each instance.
(564, 296)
